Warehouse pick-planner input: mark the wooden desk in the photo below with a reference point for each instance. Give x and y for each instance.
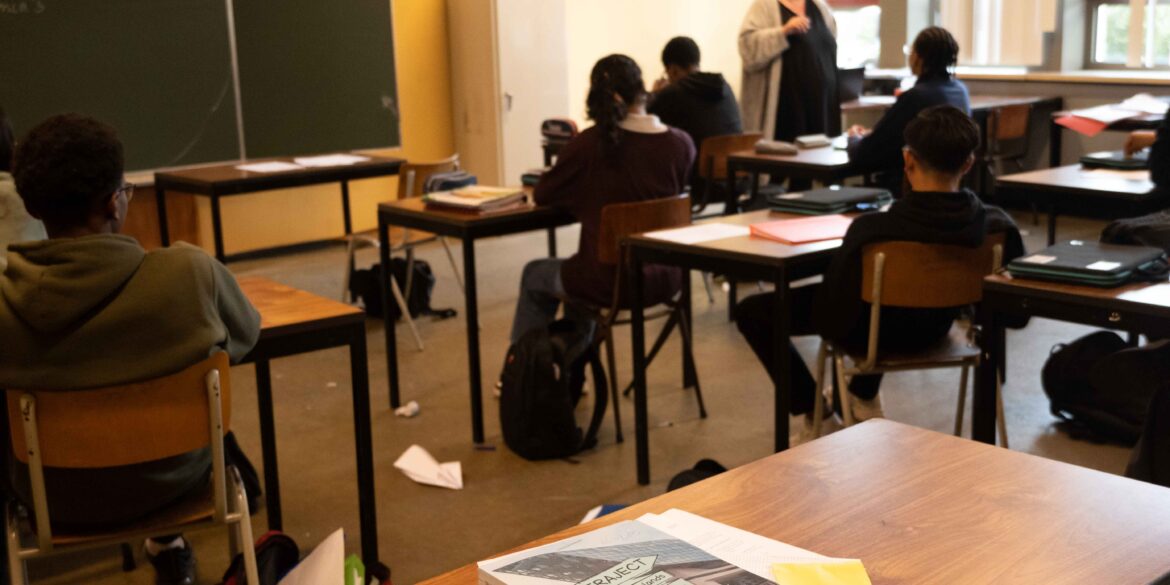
(1063, 188)
(220, 181)
(413, 214)
(743, 258)
(826, 165)
(1138, 308)
(1056, 131)
(293, 321)
(922, 507)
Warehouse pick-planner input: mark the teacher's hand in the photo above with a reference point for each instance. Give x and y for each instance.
(797, 25)
(1139, 140)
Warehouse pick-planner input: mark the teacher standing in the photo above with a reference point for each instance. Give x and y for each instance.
(789, 52)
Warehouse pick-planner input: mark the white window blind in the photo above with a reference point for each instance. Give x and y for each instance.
(999, 32)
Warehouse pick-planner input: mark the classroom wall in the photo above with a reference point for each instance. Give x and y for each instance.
(293, 216)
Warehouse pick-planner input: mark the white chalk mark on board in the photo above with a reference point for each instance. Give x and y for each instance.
(18, 7)
(203, 125)
(389, 105)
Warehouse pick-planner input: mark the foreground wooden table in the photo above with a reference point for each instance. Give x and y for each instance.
(921, 507)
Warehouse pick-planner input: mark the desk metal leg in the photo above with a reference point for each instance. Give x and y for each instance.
(690, 376)
(473, 366)
(983, 401)
(1055, 144)
(345, 208)
(732, 297)
(1051, 225)
(387, 319)
(781, 357)
(164, 230)
(731, 200)
(363, 444)
(217, 228)
(268, 444)
(638, 336)
(552, 242)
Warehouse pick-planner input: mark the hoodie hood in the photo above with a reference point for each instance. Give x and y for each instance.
(708, 86)
(53, 284)
(959, 215)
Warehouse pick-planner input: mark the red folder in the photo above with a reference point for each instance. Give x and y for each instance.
(1085, 126)
(805, 230)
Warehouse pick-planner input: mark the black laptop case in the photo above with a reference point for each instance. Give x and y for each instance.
(1090, 263)
(830, 200)
(1116, 159)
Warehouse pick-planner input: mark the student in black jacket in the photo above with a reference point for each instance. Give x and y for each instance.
(879, 151)
(940, 149)
(700, 104)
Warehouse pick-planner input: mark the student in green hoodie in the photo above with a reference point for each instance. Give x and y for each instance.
(90, 308)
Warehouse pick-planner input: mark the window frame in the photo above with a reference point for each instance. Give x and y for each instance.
(1091, 62)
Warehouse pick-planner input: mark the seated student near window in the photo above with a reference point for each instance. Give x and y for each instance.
(90, 308)
(940, 149)
(16, 225)
(700, 104)
(628, 155)
(1159, 144)
(879, 151)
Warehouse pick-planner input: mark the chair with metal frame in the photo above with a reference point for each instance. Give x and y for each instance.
(618, 222)
(412, 179)
(1008, 140)
(921, 276)
(712, 165)
(126, 425)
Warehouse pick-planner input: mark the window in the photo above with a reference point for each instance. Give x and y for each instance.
(1000, 33)
(1129, 33)
(863, 43)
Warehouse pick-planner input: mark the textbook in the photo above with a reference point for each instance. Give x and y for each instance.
(675, 547)
(805, 230)
(475, 198)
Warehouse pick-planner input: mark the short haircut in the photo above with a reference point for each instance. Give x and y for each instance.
(66, 166)
(7, 143)
(681, 51)
(943, 138)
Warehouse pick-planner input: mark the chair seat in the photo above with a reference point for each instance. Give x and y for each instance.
(198, 507)
(955, 348)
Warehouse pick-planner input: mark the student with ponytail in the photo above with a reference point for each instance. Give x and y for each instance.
(879, 151)
(628, 155)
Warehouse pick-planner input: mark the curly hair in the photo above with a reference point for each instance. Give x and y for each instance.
(66, 166)
(681, 51)
(938, 50)
(943, 138)
(615, 75)
(7, 143)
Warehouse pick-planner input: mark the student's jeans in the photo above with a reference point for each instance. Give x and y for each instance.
(541, 293)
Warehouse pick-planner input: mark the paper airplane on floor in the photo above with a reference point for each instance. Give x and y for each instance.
(421, 467)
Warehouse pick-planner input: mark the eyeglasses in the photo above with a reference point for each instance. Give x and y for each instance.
(128, 189)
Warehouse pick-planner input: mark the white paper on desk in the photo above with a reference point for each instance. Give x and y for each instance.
(270, 167)
(1145, 104)
(421, 467)
(749, 551)
(1106, 114)
(1139, 175)
(325, 566)
(330, 160)
(703, 232)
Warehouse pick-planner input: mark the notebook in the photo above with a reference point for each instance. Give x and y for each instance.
(805, 230)
(1116, 159)
(1090, 263)
(831, 200)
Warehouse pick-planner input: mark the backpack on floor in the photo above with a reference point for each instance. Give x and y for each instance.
(276, 555)
(1102, 387)
(366, 285)
(704, 469)
(541, 386)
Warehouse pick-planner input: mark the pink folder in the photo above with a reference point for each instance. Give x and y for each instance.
(805, 230)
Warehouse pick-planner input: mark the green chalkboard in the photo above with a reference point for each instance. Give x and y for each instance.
(314, 76)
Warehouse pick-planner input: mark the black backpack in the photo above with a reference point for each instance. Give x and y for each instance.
(1102, 388)
(541, 386)
(365, 284)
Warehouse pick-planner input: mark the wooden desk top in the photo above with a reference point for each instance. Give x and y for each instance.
(284, 309)
(413, 213)
(1153, 296)
(921, 507)
(1078, 180)
(978, 102)
(745, 248)
(227, 179)
(824, 158)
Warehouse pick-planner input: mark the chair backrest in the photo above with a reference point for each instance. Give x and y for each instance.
(714, 150)
(621, 220)
(917, 275)
(1009, 122)
(412, 176)
(122, 425)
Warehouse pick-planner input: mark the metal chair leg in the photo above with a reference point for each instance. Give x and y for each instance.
(818, 397)
(688, 341)
(707, 285)
(398, 298)
(454, 265)
(843, 390)
(16, 569)
(350, 252)
(962, 402)
(611, 364)
(999, 413)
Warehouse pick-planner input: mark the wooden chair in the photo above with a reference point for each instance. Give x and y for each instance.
(127, 425)
(618, 222)
(922, 276)
(412, 179)
(712, 164)
(1008, 139)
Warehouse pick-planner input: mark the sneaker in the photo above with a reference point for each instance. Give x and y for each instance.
(175, 566)
(864, 410)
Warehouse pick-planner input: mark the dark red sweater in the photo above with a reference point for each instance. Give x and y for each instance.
(589, 176)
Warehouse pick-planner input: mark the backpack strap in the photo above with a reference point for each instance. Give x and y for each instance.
(600, 398)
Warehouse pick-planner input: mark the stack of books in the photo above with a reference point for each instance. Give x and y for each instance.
(476, 199)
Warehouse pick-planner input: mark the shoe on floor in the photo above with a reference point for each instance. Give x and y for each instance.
(864, 410)
(175, 566)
